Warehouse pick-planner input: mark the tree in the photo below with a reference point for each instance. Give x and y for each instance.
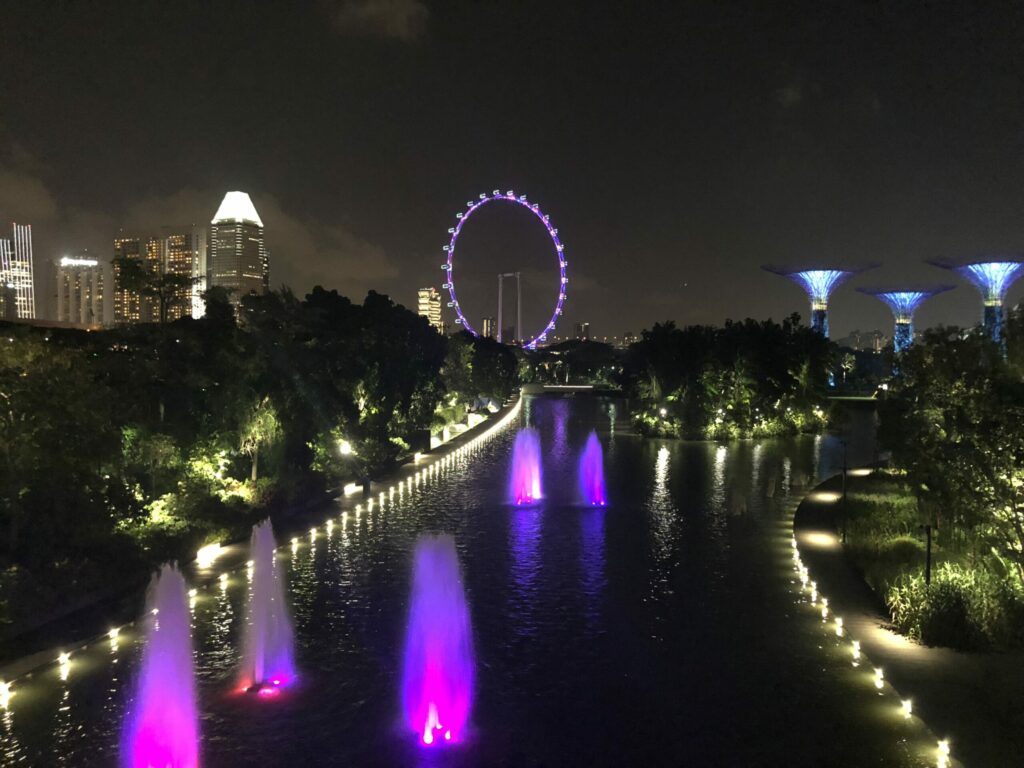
(260, 429)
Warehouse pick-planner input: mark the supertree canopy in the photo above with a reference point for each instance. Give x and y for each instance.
(903, 304)
(993, 279)
(819, 284)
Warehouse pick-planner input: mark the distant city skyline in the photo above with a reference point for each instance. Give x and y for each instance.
(677, 153)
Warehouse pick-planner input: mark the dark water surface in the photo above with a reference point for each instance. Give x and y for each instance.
(663, 630)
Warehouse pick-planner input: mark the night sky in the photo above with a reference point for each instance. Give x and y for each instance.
(677, 146)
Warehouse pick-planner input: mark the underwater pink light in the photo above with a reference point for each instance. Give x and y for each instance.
(161, 729)
(525, 481)
(591, 473)
(438, 673)
(268, 647)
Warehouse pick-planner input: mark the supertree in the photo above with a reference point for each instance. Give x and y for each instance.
(903, 304)
(993, 279)
(819, 284)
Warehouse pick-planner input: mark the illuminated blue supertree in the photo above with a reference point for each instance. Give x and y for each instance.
(903, 305)
(993, 279)
(819, 284)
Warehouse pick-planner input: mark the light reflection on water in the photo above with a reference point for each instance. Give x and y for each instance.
(640, 614)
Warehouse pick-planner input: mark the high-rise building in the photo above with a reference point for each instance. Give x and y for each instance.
(130, 306)
(238, 258)
(428, 303)
(183, 253)
(489, 328)
(581, 331)
(82, 291)
(16, 270)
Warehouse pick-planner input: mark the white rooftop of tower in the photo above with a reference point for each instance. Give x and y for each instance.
(236, 206)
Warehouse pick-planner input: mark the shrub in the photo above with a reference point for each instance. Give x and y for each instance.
(962, 608)
(885, 559)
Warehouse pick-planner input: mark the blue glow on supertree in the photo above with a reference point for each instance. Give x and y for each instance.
(819, 284)
(993, 279)
(903, 305)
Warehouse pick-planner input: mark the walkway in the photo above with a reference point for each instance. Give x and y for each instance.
(976, 700)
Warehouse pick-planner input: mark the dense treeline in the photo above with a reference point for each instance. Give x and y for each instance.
(744, 379)
(125, 447)
(954, 421)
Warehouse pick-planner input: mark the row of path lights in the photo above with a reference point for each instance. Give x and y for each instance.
(818, 601)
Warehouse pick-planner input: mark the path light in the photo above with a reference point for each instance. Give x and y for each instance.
(814, 592)
(824, 608)
(908, 708)
(879, 677)
(65, 665)
(943, 753)
(312, 534)
(856, 652)
(6, 694)
(206, 555)
(223, 581)
(113, 633)
(345, 448)
(839, 626)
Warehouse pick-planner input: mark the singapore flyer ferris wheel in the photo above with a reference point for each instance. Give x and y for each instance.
(449, 266)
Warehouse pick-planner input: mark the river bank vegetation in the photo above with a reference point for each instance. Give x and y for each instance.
(954, 422)
(123, 448)
(744, 379)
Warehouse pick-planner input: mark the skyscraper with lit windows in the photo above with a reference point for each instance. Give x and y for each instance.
(82, 287)
(428, 305)
(17, 271)
(237, 255)
(130, 306)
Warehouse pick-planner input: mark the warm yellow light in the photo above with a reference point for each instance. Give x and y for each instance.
(821, 540)
(345, 448)
(860, 472)
(828, 497)
(856, 651)
(6, 694)
(112, 634)
(193, 592)
(944, 753)
(908, 708)
(206, 555)
(839, 626)
(249, 563)
(350, 488)
(879, 677)
(312, 533)
(417, 456)
(223, 580)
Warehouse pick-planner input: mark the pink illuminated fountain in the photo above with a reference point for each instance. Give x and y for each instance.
(525, 484)
(161, 727)
(268, 649)
(437, 679)
(591, 473)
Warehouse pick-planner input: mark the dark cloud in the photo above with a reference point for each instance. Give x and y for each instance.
(404, 20)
